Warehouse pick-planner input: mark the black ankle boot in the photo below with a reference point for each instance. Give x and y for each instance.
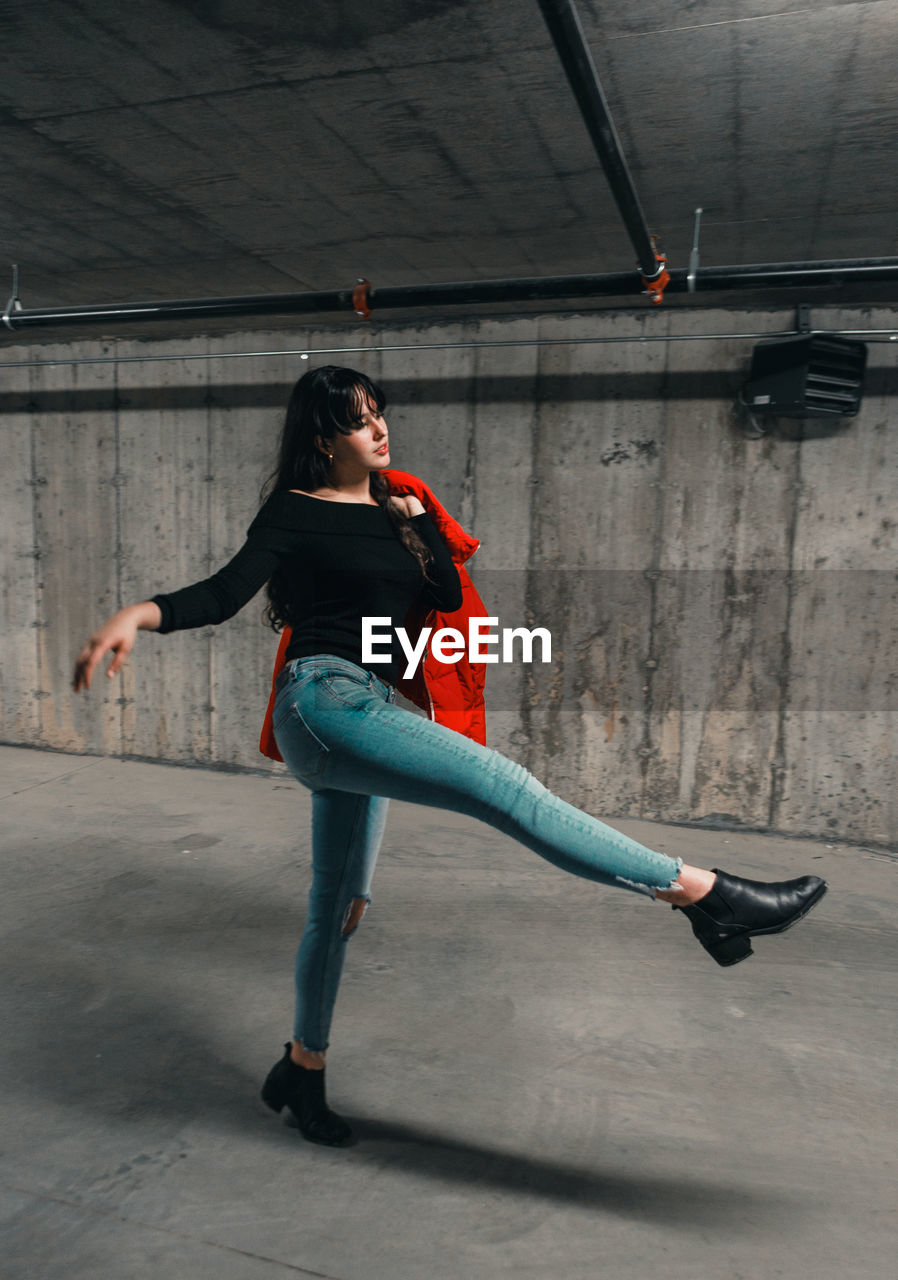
(302, 1090)
(736, 910)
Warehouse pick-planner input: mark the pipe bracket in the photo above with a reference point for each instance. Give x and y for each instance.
(656, 284)
(361, 298)
(14, 303)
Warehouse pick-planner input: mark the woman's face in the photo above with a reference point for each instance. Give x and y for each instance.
(365, 448)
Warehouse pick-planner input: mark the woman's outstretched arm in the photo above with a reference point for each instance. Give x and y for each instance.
(116, 635)
(205, 603)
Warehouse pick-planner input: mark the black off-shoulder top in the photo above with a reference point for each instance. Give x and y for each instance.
(337, 562)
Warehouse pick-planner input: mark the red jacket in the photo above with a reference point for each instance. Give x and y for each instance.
(450, 692)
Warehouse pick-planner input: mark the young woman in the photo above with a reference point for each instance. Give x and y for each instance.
(336, 546)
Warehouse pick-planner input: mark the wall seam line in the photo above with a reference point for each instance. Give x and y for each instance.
(778, 765)
(39, 620)
(210, 631)
(534, 531)
(647, 674)
(119, 544)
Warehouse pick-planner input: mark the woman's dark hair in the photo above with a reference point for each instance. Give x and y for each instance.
(323, 402)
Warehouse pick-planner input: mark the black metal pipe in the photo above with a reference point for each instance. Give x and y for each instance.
(776, 275)
(782, 275)
(182, 308)
(567, 33)
(619, 284)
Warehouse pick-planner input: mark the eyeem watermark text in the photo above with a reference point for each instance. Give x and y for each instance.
(447, 644)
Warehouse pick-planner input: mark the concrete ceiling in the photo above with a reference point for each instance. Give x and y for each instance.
(216, 147)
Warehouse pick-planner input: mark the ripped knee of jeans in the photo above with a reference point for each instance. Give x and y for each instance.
(352, 916)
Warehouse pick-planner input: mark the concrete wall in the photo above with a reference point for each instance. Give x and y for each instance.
(722, 607)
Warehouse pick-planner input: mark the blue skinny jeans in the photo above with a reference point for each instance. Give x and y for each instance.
(341, 736)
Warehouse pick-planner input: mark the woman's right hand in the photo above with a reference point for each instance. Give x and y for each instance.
(117, 635)
(408, 504)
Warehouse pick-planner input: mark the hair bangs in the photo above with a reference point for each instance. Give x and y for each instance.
(348, 400)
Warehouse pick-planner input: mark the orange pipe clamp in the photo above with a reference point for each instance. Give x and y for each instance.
(360, 299)
(655, 288)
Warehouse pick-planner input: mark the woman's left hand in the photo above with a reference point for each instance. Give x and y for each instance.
(408, 504)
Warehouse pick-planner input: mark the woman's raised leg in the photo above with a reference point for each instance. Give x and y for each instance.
(344, 735)
(409, 758)
(364, 743)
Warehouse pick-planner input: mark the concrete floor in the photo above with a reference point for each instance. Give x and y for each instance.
(547, 1078)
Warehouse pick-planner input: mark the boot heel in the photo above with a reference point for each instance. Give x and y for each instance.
(730, 950)
(272, 1097)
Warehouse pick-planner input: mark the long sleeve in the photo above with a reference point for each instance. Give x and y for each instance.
(334, 564)
(444, 591)
(218, 598)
